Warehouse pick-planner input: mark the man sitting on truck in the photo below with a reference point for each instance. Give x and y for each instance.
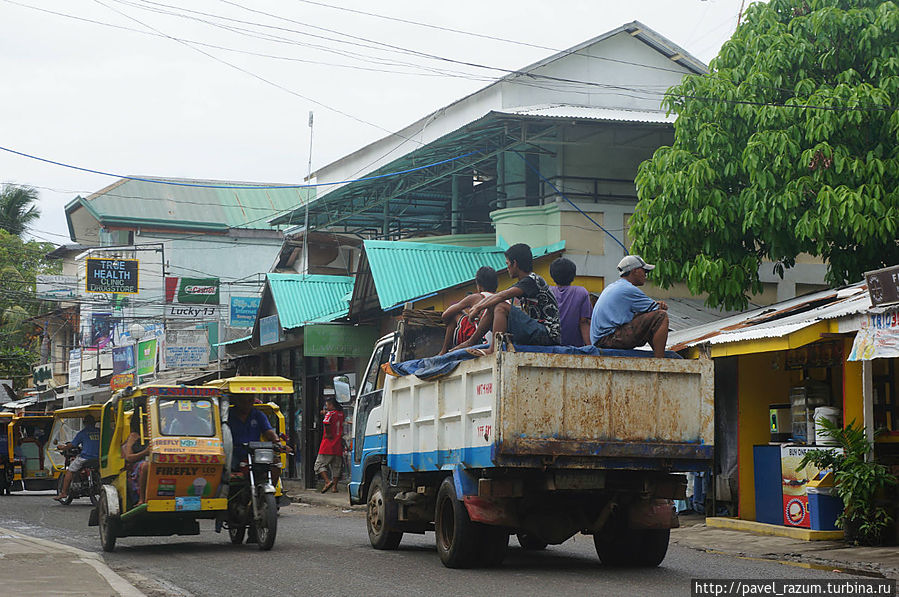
(461, 322)
(624, 317)
(535, 319)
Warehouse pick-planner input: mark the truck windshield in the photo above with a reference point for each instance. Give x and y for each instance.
(186, 417)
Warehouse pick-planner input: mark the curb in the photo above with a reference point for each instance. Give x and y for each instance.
(94, 560)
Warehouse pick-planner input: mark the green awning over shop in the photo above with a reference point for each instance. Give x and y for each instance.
(301, 299)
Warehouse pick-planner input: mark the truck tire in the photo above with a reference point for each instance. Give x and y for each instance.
(458, 539)
(617, 545)
(530, 542)
(380, 535)
(494, 546)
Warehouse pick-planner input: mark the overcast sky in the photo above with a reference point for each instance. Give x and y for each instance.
(150, 88)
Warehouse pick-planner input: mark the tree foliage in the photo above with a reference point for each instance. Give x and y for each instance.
(18, 208)
(20, 264)
(790, 145)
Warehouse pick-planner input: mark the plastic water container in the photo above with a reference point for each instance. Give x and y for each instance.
(830, 413)
(823, 508)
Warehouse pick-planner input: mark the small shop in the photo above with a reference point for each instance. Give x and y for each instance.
(780, 371)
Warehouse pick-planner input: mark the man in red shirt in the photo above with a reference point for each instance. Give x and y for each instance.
(330, 452)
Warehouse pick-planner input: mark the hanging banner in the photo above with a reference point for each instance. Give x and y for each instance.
(243, 311)
(186, 348)
(123, 359)
(112, 275)
(102, 327)
(146, 357)
(75, 369)
(878, 338)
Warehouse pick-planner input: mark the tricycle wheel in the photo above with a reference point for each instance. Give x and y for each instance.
(59, 482)
(236, 532)
(458, 539)
(379, 533)
(108, 524)
(267, 523)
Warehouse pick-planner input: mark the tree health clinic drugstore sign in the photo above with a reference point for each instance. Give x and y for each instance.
(112, 275)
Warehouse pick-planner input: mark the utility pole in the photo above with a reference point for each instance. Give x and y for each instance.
(306, 201)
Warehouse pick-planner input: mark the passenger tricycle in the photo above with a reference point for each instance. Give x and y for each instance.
(67, 422)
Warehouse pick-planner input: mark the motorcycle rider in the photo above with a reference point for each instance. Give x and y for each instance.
(250, 425)
(88, 439)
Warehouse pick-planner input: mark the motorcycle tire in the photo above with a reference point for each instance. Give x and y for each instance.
(59, 483)
(94, 487)
(267, 523)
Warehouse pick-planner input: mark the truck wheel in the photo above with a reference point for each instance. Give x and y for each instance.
(379, 533)
(530, 542)
(618, 545)
(494, 546)
(458, 539)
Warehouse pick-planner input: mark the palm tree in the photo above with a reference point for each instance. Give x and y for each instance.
(17, 208)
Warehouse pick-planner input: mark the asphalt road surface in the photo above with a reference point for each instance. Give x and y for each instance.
(325, 551)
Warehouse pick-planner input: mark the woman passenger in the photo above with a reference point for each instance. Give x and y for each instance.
(135, 453)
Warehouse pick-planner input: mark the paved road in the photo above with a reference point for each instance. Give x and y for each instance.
(325, 551)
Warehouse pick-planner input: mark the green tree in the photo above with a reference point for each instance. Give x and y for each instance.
(20, 264)
(790, 145)
(17, 208)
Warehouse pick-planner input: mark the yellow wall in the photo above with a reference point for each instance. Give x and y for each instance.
(853, 402)
(761, 381)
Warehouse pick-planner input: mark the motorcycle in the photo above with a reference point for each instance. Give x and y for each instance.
(251, 498)
(85, 483)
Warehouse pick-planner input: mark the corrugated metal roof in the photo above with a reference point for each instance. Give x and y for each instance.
(686, 313)
(591, 113)
(778, 320)
(302, 299)
(133, 201)
(403, 271)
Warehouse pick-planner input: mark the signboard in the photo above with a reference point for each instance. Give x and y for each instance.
(334, 340)
(269, 330)
(101, 329)
(42, 377)
(243, 311)
(192, 291)
(186, 348)
(120, 381)
(878, 338)
(197, 312)
(795, 496)
(123, 359)
(56, 287)
(146, 357)
(112, 275)
(75, 369)
(883, 285)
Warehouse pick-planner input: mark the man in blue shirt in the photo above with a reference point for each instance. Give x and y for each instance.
(88, 439)
(247, 425)
(624, 317)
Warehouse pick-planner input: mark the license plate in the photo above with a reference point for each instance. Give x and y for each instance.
(187, 504)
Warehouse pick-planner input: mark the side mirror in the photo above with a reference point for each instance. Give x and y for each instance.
(342, 391)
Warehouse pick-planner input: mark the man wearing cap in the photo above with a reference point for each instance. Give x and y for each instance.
(624, 317)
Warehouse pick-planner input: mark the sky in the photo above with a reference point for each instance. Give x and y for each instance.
(222, 89)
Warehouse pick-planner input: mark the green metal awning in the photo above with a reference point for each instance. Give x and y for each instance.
(301, 299)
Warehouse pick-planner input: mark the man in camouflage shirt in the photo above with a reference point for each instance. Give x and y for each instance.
(533, 320)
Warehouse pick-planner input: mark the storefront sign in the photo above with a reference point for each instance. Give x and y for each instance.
(197, 312)
(878, 338)
(56, 287)
(883, 285)
(112, 275)
(42, 377)
(186, 348)
(243, 311)
(819, 354)
(121, 381)
(269, 330)
(146, 357)
(334, 340)
(75, 369)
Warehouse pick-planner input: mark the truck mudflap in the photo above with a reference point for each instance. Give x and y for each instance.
(652, 514)
(491, 511)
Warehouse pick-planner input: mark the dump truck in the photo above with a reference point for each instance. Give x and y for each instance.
(541, 445)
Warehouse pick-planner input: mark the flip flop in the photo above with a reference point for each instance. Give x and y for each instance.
(476, 352)
(326, 487)
(60, 498)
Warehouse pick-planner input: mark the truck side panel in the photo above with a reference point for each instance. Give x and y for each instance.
(606, 406)
(435, 425)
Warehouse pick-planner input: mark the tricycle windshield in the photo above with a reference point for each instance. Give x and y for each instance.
(186, 417)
